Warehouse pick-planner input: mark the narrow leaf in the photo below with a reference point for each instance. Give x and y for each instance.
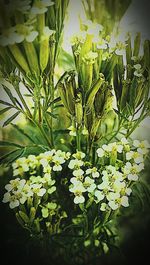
(11, 118)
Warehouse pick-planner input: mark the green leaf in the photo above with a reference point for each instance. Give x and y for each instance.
(12, 156)
(7, 143)
(4, 110)
(9, 94)
(5, 103)
(22, 132)
(11, 118)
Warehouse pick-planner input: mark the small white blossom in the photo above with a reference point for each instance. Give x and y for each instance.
(93, 171)
(78, 189)
(75, 164)
(89, 184)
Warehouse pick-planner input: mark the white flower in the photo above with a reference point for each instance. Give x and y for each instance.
(12, 199)
(115, 147)
(26, 33)
(124, 201)
(129, 155)
(100, 152)
(89, 184)
(93, 171)
(44, 162)
(124, 141)
(79, 155)
(58, 160)
(9, 36)
(78, 172)
(75, 164)
(27, 191)
(142, 147)
(47, 32)
(131, 170)
(15, 184)
(78, 189)
(112, 196)
(85, 131)
(99, 195)
(40, 7)
(36, 188)
(90, 57)
(113, 205)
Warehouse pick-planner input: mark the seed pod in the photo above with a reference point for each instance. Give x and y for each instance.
(92, 93)
(124, 94)
(19, 58)
(137, 42)
(32, 57)
(44, 53)
(94, 128)
(24, 217)
(20, 220)
(79, 109)
(37, 225)
(32, 214)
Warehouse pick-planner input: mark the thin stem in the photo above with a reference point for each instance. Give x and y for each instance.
(78, 139)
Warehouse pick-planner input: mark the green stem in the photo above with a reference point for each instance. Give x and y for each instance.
(78, 139)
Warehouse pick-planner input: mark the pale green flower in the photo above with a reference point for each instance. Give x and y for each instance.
(136, 156)
(93, 171)
(72, 130)
(78, 189)
(142, 147)
(138, 70)
(85, 131)
(58, 160)
(99, 195)
(76, 39)
(26, 32)
(37, 189)
(75, 164)
(79, 155)
(9, 36)
(90, 57)
(78, 172)
(12, 199)
(103, 207)
(15, 184)
(40, 7)
(89, 184)
(22, 6)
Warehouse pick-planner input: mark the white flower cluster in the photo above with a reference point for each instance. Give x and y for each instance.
(110, 182)
(35, 176)
(20, 32)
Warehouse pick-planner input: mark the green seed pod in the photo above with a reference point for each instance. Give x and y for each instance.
(92, 93)
(24, 217)
(37, 225)
(94, 128)
(32, 57)
(44, 53)
(79, 109)
(32, 214)
(124, 94)
(20, 220)
(19, 58)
